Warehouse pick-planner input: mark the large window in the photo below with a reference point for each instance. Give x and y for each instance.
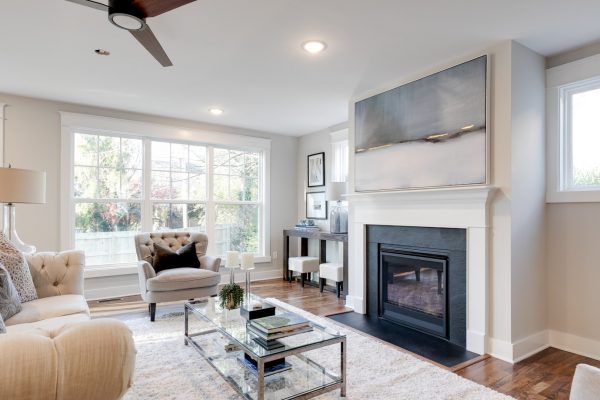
(125, 184)
(580, 136)
(573, 125)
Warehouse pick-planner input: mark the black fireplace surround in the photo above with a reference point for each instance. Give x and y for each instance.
(416, 277)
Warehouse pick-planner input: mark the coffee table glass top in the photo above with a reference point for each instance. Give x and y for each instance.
(231, 323)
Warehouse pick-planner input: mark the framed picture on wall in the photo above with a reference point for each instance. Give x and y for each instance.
(316, 169)
(316, 205)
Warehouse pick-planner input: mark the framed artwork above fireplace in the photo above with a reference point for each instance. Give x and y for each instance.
(428, 133)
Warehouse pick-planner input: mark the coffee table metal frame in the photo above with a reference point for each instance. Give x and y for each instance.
(339, 382)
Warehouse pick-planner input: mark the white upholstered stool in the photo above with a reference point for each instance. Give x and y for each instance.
(333, 272)
(302, 265)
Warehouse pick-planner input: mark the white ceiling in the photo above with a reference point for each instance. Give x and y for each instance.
(245, 56)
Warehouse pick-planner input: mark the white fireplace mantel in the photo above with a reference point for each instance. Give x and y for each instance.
(463, 207)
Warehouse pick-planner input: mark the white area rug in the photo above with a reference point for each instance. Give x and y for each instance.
(167, 369)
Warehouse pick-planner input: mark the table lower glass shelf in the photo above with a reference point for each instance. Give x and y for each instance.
(304, 379)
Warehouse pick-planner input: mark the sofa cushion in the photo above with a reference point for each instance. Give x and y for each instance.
(14, 262)
(182, 278)
(48, 324)
(49, 307)
(10, 303)
(184, 257)
(55, 274)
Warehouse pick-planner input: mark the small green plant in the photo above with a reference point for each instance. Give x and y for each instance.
(231, 296)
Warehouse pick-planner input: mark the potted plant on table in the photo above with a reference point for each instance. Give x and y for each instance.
(231, 296)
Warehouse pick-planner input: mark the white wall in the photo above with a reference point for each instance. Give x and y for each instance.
(573, 247)
(32, 138)
(310, 144)
(528, 222)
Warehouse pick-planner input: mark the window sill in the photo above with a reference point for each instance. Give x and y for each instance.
(574, 196)
(99, 271)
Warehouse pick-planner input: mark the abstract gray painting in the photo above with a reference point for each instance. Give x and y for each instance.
(427, 133)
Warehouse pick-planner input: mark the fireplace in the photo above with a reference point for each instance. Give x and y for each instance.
(412, 289)
(416, 277)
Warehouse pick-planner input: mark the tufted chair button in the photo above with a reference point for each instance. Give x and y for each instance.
(55, 283)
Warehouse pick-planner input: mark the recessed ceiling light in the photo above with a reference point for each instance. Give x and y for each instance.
(102, 52)
(215, 111)
(314, 46)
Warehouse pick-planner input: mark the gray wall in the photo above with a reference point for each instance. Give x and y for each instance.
(32, 140)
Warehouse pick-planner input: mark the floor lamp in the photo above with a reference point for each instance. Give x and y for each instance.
(20, 186)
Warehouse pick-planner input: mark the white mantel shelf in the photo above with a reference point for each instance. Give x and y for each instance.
(458, 207)
(462, 193)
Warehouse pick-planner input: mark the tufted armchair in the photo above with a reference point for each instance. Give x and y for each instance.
(178, 283)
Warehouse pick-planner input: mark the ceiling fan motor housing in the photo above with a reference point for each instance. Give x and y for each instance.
(125, 15)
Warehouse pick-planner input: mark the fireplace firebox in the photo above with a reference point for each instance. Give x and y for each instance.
(412, 289)
(416, 277)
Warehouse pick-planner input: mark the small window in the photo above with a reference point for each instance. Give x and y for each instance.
(580, 136)
(339, 156)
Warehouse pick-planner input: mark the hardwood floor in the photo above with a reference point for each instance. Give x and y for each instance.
(545, 376)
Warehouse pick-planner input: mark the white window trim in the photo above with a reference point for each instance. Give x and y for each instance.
(72, 122)
(563, 79)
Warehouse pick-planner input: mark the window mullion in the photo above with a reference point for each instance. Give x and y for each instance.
(211, 214)
(147, 179)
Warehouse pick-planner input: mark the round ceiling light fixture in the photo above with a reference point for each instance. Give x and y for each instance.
(215, 111)
(314, 46)
(127, 21)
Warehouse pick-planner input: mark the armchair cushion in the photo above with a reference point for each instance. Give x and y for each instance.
(10, 303)
(183, 257)
(182, 278)
(14, 262)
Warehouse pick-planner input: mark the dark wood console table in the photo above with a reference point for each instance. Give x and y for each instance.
(323, 237)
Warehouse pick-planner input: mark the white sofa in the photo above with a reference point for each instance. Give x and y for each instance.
(52, 350)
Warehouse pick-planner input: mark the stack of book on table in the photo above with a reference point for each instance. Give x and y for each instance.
(269, 329)
(308, 228)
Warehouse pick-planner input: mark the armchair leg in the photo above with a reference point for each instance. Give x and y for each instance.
(338, 286)
(152, 311)
(302, 278)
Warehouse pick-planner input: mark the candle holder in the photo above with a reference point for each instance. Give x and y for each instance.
(251, 310)
(232, 261)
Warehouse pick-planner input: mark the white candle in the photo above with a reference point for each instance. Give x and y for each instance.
(233, 259)
(247, 260)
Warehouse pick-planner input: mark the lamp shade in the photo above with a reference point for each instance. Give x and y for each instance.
(22, 186)
(335, 190)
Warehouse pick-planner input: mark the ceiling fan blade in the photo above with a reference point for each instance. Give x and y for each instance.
(92, 4)
(149, 41)
(152, 8)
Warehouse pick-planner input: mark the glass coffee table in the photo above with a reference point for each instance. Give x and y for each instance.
(225, 342)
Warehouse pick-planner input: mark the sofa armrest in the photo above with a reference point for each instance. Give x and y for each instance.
(55, 274)
(210, 263)
(92, 360)
(145, 272)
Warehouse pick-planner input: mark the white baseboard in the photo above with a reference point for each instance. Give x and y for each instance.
(111, 292)
(355, 303)
(520, 349)
(476, 342)
(526, 347)
(500, 349)
(575, 344)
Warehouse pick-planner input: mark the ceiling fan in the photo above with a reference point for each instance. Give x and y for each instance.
(131, 15)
